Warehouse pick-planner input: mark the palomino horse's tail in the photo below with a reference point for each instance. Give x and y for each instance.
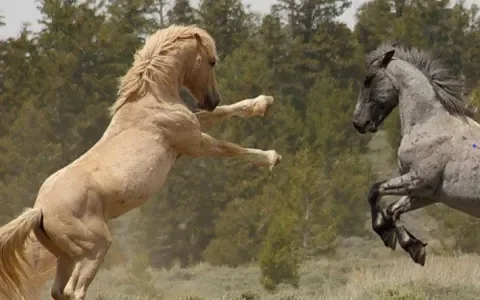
(41, 268)
(13, 237)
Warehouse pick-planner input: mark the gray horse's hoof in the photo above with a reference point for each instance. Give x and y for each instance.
(412, 245)
(417, 252)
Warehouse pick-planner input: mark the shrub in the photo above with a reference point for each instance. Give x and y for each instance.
(280, 258)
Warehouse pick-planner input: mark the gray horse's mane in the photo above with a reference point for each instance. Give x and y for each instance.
(449, 90)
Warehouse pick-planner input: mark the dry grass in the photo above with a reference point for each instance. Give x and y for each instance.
(443, 278)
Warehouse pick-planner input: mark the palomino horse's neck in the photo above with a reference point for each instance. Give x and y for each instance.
(160, 97)
(417, 100)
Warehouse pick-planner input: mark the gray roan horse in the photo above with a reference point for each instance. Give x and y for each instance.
(437, 157)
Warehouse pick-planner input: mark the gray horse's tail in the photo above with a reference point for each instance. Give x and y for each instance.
(13, 237)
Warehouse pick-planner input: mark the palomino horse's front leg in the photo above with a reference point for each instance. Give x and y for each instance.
(210, 146)
(384, 224)
(244, 109)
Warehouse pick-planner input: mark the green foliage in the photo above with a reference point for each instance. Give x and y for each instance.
(280, 257)
(236, 234)
(182, 13)
(230, 30)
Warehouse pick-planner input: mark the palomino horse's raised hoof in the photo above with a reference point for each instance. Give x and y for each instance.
(261, 105)
(412, 245)
(274, 159)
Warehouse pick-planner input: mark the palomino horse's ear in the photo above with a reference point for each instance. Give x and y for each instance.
(199, 45)
(387, 58)
(198, 38)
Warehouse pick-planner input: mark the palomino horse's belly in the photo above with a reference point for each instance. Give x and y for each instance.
(131, 173)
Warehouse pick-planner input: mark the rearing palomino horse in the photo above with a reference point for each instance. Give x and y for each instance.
(438, 158)
(150, 128)
(40, 263)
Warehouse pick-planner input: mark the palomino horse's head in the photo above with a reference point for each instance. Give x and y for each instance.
(171, 58)
(378, 96)
(200, 76)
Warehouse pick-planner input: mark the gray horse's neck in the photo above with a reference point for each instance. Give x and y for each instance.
(417, 99)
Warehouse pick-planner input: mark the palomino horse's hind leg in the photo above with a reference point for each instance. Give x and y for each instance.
(85, 269)
(64, 271)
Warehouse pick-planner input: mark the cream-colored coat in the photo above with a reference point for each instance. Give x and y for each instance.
(149, 130)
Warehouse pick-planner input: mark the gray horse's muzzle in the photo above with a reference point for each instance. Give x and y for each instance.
(359, 128)
(366, 126)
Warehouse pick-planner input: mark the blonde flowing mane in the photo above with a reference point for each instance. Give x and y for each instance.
(153, 63)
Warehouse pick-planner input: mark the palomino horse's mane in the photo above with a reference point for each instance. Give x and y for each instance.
(448, 89)
(153, 63)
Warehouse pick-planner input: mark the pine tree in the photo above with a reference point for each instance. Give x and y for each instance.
(182, 13)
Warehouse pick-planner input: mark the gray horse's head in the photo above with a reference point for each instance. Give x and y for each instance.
(378, 96)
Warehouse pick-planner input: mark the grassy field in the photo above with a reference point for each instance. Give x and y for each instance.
(391, 276)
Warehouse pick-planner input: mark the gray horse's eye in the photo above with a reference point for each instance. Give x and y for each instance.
(368, 80)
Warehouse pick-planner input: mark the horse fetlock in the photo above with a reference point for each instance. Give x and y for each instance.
(385, 227)
(68, 294)
(261, 104)
(79, 295)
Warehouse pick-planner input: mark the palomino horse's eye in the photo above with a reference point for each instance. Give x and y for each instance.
(213, 62)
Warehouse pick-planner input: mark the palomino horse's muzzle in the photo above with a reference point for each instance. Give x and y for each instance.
(211, 101)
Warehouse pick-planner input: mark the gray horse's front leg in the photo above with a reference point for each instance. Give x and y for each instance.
(384, 223)
(408, 241)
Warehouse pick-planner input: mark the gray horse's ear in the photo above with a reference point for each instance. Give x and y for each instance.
(387, 58)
